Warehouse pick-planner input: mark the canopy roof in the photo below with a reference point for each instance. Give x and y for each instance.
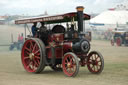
(67, 17)
(111, 17)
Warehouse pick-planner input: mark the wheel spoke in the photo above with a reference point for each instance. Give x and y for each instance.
(93, 57)
(65, 62)
(34, 47)
(38, 61)
(35, 62)
(26, 58)
(74, 67)
(90, 61)
(73, 64)
(34, 65)
(92, 66)
(97, 68)
(37, 52)
(37, 57)
(26, 52)
(31, 45)
(27, 49)
(70, 57)
(96, 56)
(71, 60)
(67, 69)
(70, 70)
(28, 66)
(99, 62)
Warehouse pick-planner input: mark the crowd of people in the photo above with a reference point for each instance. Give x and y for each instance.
(102, 35)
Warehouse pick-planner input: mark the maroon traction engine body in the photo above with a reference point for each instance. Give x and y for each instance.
(61, 48)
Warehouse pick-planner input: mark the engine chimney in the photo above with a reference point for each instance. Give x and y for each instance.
(80, 18)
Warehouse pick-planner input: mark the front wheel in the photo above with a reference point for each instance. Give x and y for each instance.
(70, 64)
(95, 62)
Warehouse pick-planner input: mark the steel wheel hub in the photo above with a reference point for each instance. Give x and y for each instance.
(31, 56)
(94, 62)
(69, 65)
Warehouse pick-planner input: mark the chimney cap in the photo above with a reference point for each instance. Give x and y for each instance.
(79, 8)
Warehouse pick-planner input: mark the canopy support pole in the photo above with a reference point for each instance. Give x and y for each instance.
(25, 26)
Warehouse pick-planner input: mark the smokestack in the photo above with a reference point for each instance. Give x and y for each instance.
(80, 18)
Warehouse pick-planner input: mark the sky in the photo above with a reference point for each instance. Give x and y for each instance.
(36, 7)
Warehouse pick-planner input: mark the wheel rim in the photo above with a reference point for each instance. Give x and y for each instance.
(31, 55)
(95, 62)
(69, 65)
(118, 41)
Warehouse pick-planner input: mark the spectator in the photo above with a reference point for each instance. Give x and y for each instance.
(21, 38)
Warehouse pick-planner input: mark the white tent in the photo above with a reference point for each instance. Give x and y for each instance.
(111, 17)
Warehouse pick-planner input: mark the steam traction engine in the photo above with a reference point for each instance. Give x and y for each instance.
(60, 49)
(120, 38)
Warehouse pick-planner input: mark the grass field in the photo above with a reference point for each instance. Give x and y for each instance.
(115, 70)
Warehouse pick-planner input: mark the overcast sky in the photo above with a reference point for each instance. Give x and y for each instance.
(35, 7)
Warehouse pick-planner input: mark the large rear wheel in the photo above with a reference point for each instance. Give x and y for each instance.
(32, 55)
(70, 64)
(95, 62)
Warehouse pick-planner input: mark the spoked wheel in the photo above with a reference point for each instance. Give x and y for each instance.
(119, 41)
(57, 67)
(112, 42)
(70, 64)
(32, 55)
(95, 62)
